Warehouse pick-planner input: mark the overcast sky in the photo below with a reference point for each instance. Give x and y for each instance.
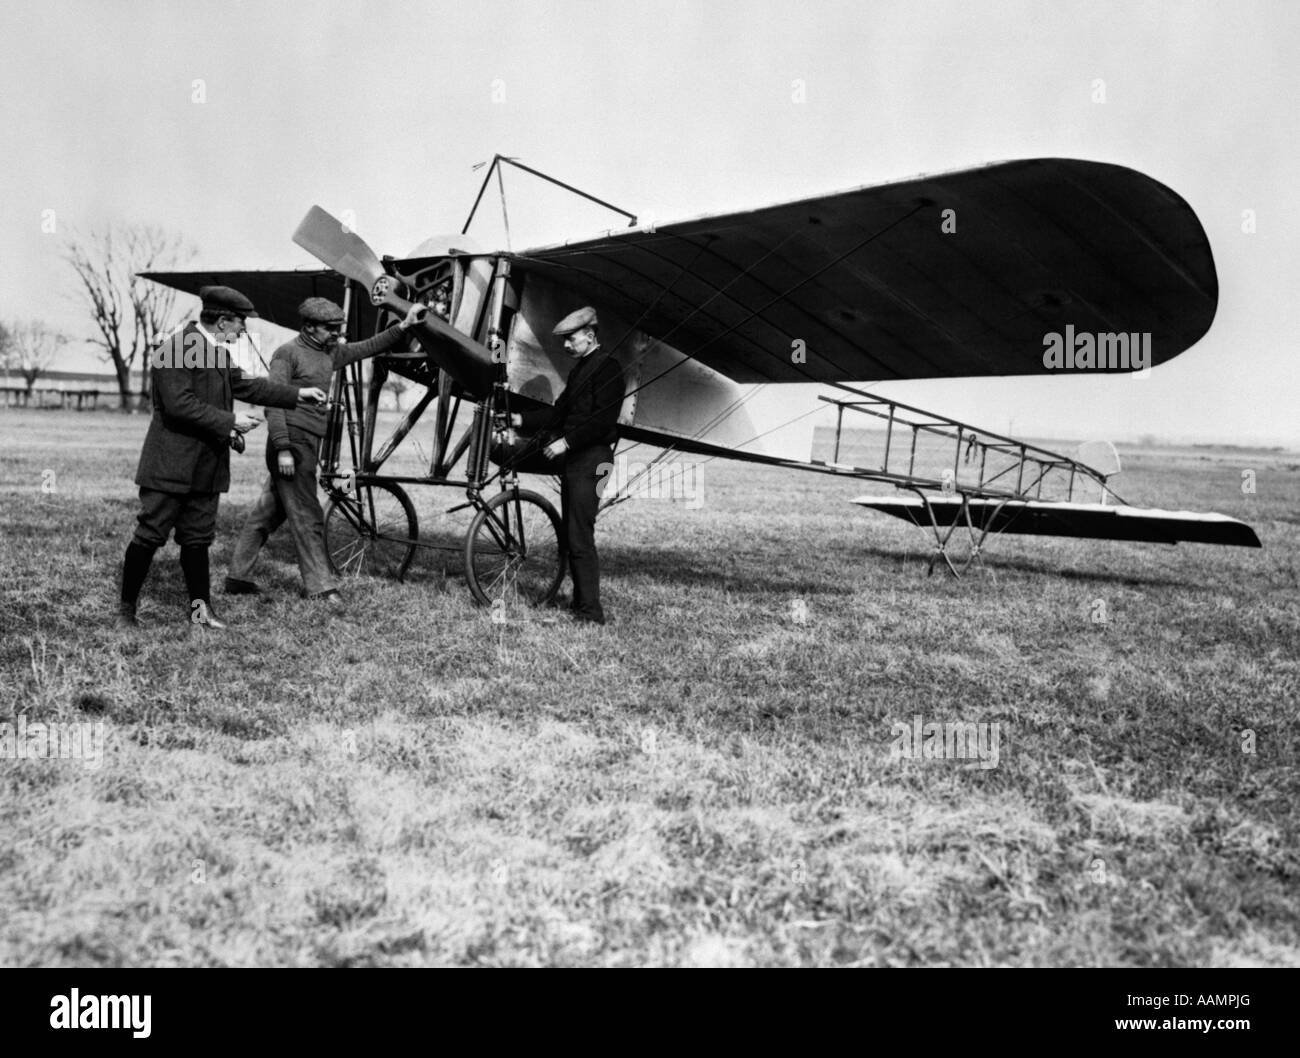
(669, 109)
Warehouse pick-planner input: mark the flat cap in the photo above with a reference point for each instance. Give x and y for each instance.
(575, 321)
(320, 310)
(226, 299)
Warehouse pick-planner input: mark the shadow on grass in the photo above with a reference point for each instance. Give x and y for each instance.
(749, 573)
(1032, 567)
(752, 573)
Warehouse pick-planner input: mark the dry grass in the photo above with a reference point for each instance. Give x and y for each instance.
(705, 782)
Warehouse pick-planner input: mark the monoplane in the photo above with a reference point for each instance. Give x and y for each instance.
(963, 274)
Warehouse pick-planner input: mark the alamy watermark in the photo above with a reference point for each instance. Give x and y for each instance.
(53, 741)
(652, 481)
(75, 1011)
(191, 349)
(1088, 351)
(946, 741)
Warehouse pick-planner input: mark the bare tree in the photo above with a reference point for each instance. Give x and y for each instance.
(131, 314)
(30, 348)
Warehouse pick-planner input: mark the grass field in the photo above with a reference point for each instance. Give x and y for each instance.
(710, 780)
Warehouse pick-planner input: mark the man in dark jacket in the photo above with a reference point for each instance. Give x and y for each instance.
(293, 446)
(585, 424)
(185, 463)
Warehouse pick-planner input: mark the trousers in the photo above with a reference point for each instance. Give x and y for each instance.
(579, 497)
(192, 515)
(293, 500)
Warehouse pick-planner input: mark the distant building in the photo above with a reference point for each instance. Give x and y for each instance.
(62, 389)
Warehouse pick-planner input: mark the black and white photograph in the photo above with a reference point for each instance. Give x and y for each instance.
(651, 485)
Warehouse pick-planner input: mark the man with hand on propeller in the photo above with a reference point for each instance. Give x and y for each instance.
(293, 446)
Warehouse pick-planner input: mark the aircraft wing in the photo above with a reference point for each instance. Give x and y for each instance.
(275, 294)
(875, 288)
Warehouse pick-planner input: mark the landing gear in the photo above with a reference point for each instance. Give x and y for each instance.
(514, 551)
(371, 530)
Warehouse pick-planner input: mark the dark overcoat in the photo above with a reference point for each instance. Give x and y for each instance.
(586, 413)
(187, 448)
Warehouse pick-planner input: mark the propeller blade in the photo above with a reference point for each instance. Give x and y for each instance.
(327, 238)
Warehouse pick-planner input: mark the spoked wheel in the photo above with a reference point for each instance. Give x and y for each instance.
(371, 530)
(514, 552)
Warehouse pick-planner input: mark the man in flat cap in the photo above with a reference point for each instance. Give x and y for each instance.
(293, 446)
(584, 423)
(185, 462)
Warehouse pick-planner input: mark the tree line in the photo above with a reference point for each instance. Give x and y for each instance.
(129, 315)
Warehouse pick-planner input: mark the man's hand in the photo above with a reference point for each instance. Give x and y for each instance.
(312, 395)
(516, 420)
(245, 422)
(285, 464)
(415, 314)
(556, 449)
